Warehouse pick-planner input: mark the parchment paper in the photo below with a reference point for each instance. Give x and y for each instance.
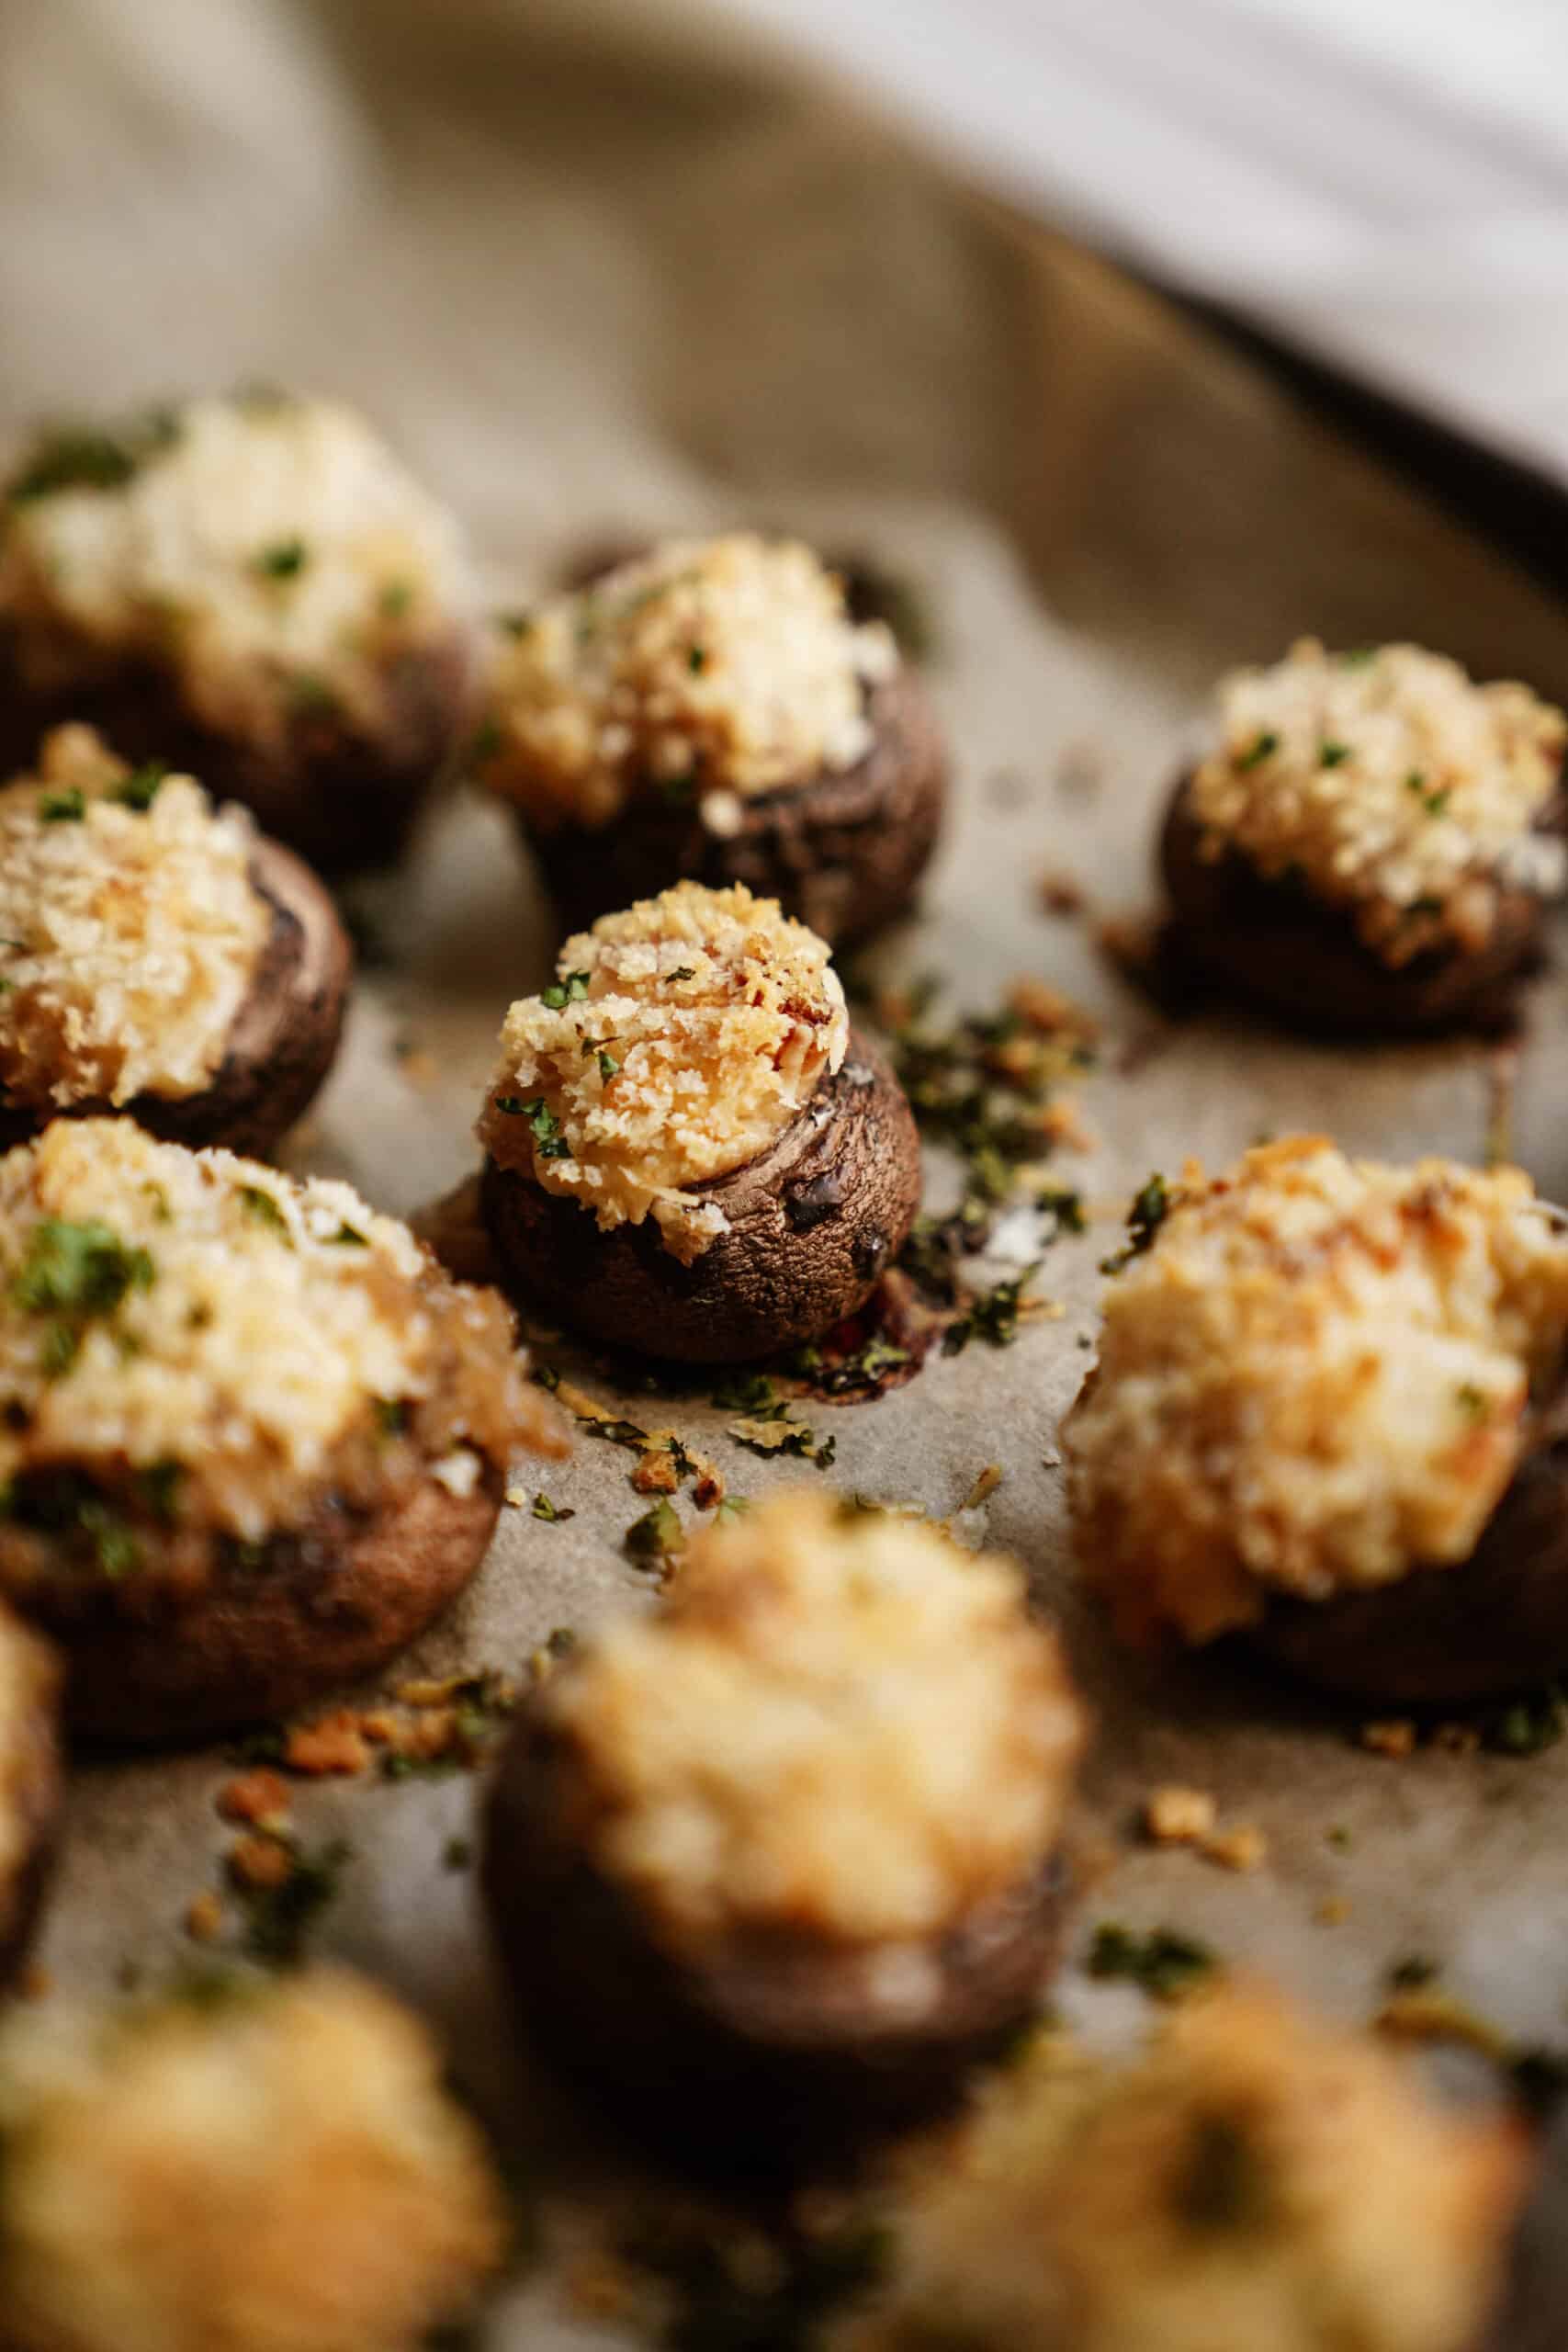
(594, 281)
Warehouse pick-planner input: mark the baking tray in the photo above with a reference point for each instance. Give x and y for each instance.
(726, 296)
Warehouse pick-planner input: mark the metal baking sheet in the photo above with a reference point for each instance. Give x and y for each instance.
(718, 295)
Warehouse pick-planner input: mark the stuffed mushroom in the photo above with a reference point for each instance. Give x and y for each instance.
(251, 1440)
(708, 710)
(1256, 2179)
(1327, 1414)
(32, 1782)
(775, 1866)
(251, 589)
(1368, 847)
(157, 956)
(275, 2167)
(688, 1150)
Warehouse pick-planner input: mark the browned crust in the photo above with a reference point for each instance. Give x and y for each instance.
(1496, 1622)
(813, 1222)
(1304, 962)
(32, 1782)
(152, 1660)
(343, 802)
(769, 2052)
(843, 852)
(283, 1041)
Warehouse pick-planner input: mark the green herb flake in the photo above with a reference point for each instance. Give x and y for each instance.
(139, 788)
(697, 660)
(284, 559)
(267, 1209)
(1412, 1975)
(68, 808)
(348, 1237)
(395, 600)
(571, 990)
(278, 1918)
(311, 696)
(655, 1539)
(1150, 1208)
(456, 1854)
(160, 1484)
(1333, 755)
(608, 1066)
(682, 972)
(992, 1316)
(1528, 1725)
(75, 1273)
(392, 1416)
(516, 625)
(1262, 747)
(552, 1514)
(1163, 1963)
(77, 457)
(1472, 1400)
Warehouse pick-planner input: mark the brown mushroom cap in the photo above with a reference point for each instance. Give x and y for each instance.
(769, 2050)
(32, 1783)
(1303, 961)
(843, 851)
(813, 1222)
(281, 1045)
(152, 1657)
(1496, 1622)
(342, 801)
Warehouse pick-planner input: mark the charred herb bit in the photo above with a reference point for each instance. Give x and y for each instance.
(139, 788)
(1413, 1973)
(284, 559)
(1263, 747)
(516, 625)
(72, 457)
(159, 1485)
(737, 2294)
(1333, 755)
(67, 808)
(683, 972)
(1163, 1963)
(278, 1919)
(311, 696)
(267, 1209)
(552, 1514)
(1150, 1208)
(1065, 1206)
(571, 990)
(392, 1415)
(697, 660)
(745, 1391)
(993, 1316)
(656, 1539)
(782, 1434)
(456, 1854)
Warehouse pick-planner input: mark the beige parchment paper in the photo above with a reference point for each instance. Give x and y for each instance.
(602, 271)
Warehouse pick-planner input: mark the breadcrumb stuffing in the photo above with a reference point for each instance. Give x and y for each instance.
(839, 1723)
(681, 1039)
(258, 551)
(205, 1339)
(1256, 2179)
(1391, 785)
(723, 667)
(277, 2172)
(130, 930)
(1317, 1378)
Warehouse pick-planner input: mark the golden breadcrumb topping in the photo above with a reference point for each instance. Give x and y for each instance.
(680, 1040)
(1389, 785)
(203, 1333)
(269, 554)
(1257, 2179)
(279, 2171)
(839, 1724)
(130, 931)
(707, 670)
(30, 1681)
(1316, 1379)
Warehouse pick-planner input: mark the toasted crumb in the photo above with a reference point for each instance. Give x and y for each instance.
(1333, 1911)
(1395, 1735)
(1061, 893)
(656, 1474)
(260, 1862)
(261, 1797)
(1245, 1848)
(1049, 1011)
(1178, 1817)
(204, 1917)
(334, 1745)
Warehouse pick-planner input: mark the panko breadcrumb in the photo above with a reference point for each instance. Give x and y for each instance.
(1257, 2179)
(275, 2171)
(1391, 785)
(258, 549)
(197, 1328)
(1316, 1379)
(725, 666)
(839, 1723)
(681, 1039)
(129, 929)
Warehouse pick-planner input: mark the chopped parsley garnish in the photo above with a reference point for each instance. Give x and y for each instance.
(279, 1917)
(265, 1208)
(697, 660)
(1358, 656)
(75, 458)
(571, 990)
(1150, 1208)
(284, 559)
(311, 696)
(1165, 1963)
(1332, 755)
(545, 1127)
(392, 1415)
(1412, 1975)
(1262, 747)
(515, 625)
(139, 788)
(348, 1237)
(75, 1273)
(992, 1317)
(1527, 1725)
(1433, 801)
(551, 1513)
(160, 1484)
(394, 600)
(608, 1066)
(115, 1547)
(1470, 1399)
(683, 972)
(654, 1539)
(67, 808)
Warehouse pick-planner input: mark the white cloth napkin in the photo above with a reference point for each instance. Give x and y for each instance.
(1385, 182)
